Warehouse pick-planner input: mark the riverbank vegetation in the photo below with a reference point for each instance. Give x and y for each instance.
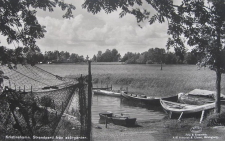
(152, 56)
(150, 80)
(144, 79)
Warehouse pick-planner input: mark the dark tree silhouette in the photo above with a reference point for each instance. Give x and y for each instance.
(200, 22)
(18, 22)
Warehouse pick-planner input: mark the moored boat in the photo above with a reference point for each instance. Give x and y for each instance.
(172, 107)
(140, 98)
(145, 99)
(106, 93)
(117, 119)
(199, 97)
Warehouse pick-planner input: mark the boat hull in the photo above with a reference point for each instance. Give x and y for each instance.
(141, 98)
(176, 108)
(106, 93)
(199, 97)
(117, 120)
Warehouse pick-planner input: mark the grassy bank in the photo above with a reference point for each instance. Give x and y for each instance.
(150, 80)
(144, 79)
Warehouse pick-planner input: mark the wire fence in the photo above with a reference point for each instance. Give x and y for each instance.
(35, 103)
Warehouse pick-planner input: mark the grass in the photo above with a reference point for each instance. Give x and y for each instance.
(150, 80)
(144, 79)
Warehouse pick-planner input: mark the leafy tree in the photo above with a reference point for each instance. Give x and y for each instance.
(190, 58)
(18, 22)
(94, 59)
(115, 55)
(142, 58)
(200, 22)
(107, 56)
(170, 58)
(74, 57)
(99, 55)
(127, 56)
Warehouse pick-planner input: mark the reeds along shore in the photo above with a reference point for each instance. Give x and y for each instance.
(150, 80)
(145, 79)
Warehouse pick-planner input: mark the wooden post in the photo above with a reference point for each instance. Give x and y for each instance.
(127, 89)
(24, 88)
(106, 122)
(180, 116)
(53, 103)
(62, 106)
(89, 99)
(202, 116)
(170, 114)
(161, 65)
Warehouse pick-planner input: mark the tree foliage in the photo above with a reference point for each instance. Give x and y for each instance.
(158, 56)
(108, 56)
(200, 22)
(18, 22)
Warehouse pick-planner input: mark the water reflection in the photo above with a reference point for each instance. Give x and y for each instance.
(119, 105)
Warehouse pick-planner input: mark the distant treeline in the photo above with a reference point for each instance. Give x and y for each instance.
(56, 57)
(62, 57)
(152, 56)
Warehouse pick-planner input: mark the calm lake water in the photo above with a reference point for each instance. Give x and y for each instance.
(105, 103)
(120, 105)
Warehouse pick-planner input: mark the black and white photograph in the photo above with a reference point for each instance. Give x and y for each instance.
(112, 70)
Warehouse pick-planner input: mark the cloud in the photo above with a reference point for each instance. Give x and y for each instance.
(86, 33)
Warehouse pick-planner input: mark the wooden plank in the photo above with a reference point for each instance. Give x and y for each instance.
(180, 116)
(202, 116)
(170, 114)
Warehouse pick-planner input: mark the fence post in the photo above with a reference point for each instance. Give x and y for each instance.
(89, 99)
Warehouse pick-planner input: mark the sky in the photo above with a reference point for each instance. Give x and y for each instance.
(86, 34)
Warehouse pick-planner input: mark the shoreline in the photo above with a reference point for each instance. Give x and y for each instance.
(158, 130)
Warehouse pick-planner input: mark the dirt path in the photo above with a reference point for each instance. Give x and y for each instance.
(162, 130)
(120, 133)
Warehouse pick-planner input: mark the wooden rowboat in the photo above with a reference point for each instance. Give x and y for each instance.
(146, 99)
(199, 97)
(106, 93)
(172, 107)
(117, 119)
(176, 107)
(141, 98)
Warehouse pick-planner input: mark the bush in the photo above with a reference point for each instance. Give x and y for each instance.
(47, 101)
(216, 120)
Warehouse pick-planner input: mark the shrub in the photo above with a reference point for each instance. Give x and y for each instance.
(215, 120)
(47, 101)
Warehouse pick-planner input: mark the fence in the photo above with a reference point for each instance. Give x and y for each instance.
(34, 104)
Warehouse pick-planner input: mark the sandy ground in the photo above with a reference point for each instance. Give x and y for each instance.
(162, 130)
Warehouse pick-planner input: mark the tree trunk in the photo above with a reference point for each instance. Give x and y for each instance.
(218, 65)
(218, 81)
